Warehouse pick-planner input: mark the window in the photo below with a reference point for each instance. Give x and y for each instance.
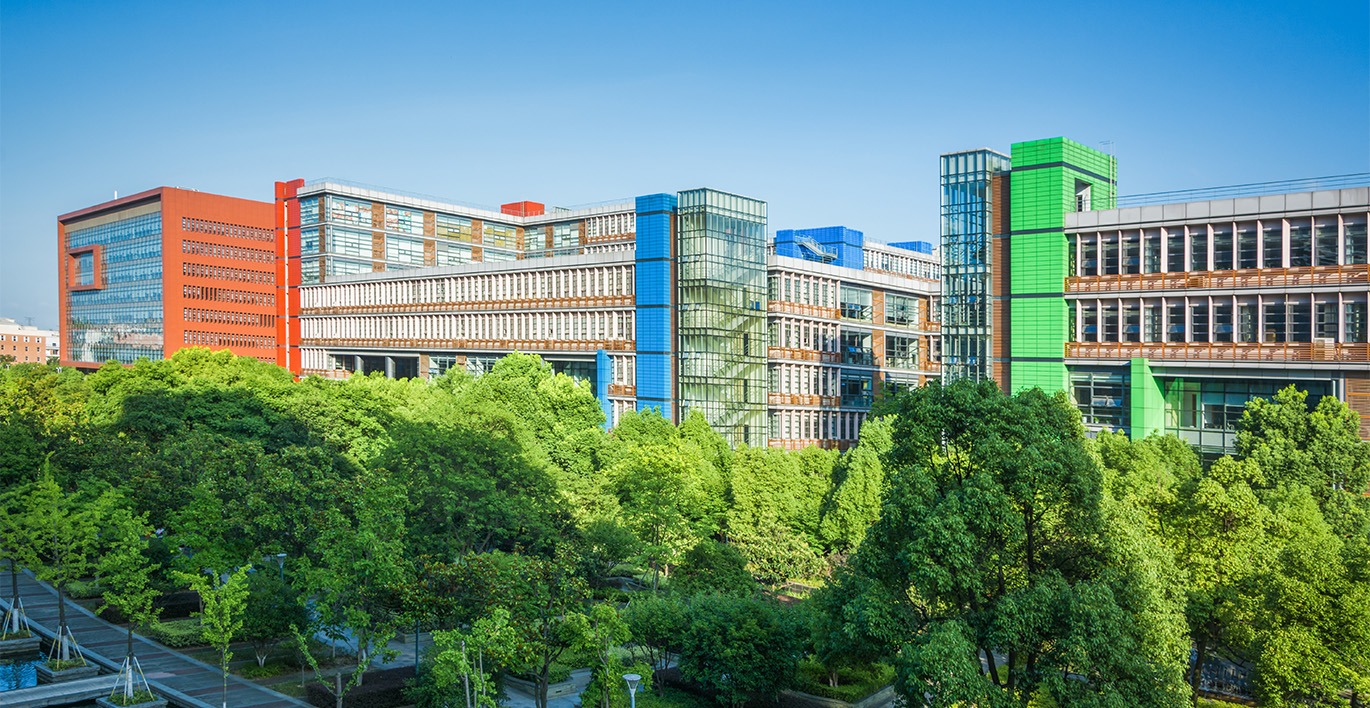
(1174, 255)
(1198, 322)
(1325, 241)
(1132, 322)
(1246, 322)
(1152, 323)
(1300, 244)
(1110, 255)
(1355, 246)
(1272, 240)
(901, 352)
(1198, 249)
(856, 303)
(1151, 261)
(1274, 330)
(1300, 320)
(1222, 248)
(901, 310)
(1246, 246)
(1101, 398)
(1110, 319)
(1083, 201)
(1355, 327)
(1175, 322)
(1132, 253)
(1089, 255)
(1222, 321)
(1089, 322)
(1326, 324)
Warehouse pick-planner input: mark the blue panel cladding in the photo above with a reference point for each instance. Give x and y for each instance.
(918, 246)
(652, 287)
(837, 245)
(604, 372)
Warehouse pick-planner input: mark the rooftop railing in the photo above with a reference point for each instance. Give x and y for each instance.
(1255, 189)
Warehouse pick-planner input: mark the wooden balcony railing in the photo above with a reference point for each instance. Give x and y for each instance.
(801, 443)
(523, 345)
(1223, 279)
(555, 303)
(1223, 351)
(799, 308)
(622, 390)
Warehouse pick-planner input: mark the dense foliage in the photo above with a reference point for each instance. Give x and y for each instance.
(980, 547)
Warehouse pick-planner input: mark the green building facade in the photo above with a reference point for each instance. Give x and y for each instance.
(1050, 178)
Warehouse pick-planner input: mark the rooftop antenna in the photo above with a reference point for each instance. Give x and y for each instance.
(28, 321)
(116, 194)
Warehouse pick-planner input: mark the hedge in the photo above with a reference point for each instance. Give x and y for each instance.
(379, 689)
(854, 683)
(177, 634)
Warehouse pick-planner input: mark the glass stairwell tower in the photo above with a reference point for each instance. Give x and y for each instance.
(969, 204)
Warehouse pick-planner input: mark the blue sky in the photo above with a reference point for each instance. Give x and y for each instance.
(834, 113)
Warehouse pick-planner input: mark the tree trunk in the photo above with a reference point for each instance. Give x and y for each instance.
(1196, 673)
(337, 690)
(993, 668)
(63, 651)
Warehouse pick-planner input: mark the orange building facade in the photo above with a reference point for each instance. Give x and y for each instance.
(151, 273)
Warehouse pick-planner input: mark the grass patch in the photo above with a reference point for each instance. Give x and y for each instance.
(853, 683)
(133, 700)
(64, 664)
(177, 634)
(272, 668)
(21, 634)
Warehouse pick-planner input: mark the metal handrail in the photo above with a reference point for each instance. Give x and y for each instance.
(1254, 189)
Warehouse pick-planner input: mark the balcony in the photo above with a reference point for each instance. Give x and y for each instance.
(622, 390)
(906, 363)
(558, 303)
(802, 355)
(798, 308)
(1313, 352)
(856, 400)
(1223, 279)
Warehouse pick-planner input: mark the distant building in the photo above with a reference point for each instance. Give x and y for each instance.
(145, 275)
(1157, 313)
(25, 343)
(674, 302)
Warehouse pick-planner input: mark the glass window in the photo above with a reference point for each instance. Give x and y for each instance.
(1246, 322)
(901, 352)
(1132, 322)
(1101, 398)
(1198, 249)
(856, 303)
(1222, 248)
(1110, 255)
(1300, 320)
(1246, 246)
(1175, 322)
(453, 227)
(1272, 240)
(1274, 331)
(405, 221)
(901, 310)
(1175, 251)
(1355, 247)
(1089, 255)
(1300, 244)
(1325, 241)
(1355, 327)
(349, 211)
(1198, 322)
(1152, 323)
(1132, 253)
(1326, 325)
(1222, 321)
(1152, 258)
(1110, 318)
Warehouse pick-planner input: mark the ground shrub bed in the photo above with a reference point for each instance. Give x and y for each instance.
(83, 589)
(854, 683)
(379, 689)
(178, 605)
(177, 634)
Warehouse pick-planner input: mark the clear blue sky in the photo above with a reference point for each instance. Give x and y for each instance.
(834, 113)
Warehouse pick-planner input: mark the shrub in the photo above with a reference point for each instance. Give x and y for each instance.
(379, 689)
(180, 604)
(83, 589)
(177, 634)
(853, 682)
(64, 664)
(272, 668)
(120, 699)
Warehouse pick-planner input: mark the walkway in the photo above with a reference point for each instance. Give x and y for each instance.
(185, 681)
(59, 694)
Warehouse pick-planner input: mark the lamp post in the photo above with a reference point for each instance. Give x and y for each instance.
(633, 680)
(280, 563)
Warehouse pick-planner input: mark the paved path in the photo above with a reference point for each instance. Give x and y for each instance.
(59, 694)
(186, 681)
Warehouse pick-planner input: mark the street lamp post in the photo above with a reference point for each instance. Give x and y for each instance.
(633, 680)
(280, 563)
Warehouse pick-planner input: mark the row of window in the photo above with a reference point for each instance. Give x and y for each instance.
(237, 297)
(816, 425)
(220, 339)
(219, 228)
(1290, 243)
(901, 264)
(191, 314)
(236, 253)
(604, 325)
(604, 281)
(199, 270)
(1254, 318)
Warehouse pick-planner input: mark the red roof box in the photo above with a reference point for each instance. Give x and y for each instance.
(522, 209)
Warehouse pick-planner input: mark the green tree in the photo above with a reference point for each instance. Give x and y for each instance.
(603, 632)
(222, 618)
(657, 625)
(1320, 449)
(58, 540)
(126, 576)
(713, 567)
(274, 609)
(460, 658)
(996, 540)
(855, 501)
(671, 498)
(740, 648)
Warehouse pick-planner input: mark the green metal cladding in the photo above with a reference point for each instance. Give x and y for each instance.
(1147, 402)
(1046, 181)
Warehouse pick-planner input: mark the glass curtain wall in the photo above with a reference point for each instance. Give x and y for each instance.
(121, 321)
(722, 310)
(967, 219)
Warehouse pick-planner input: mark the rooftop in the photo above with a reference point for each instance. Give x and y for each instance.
(1254, 189)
